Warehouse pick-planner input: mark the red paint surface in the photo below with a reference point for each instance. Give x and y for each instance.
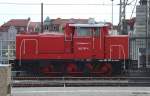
(70, 46)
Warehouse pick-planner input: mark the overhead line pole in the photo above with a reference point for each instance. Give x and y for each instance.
(41, 17)
(112, 13)
(122, 15)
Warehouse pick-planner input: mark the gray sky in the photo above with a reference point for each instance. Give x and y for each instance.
(100, 12)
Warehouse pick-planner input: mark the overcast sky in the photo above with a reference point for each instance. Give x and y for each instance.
(100, 12)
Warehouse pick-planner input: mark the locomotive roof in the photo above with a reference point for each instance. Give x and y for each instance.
(88, 25)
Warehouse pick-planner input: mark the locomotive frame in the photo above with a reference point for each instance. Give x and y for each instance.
(82, 50)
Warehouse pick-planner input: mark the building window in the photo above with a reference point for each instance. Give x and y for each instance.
(22, 29)
(46, 27)
(56, 27)
(4, 53)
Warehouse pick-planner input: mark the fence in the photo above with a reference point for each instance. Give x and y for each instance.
(7, 51)
(140, 52)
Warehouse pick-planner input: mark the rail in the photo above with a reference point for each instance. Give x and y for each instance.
(79, 81)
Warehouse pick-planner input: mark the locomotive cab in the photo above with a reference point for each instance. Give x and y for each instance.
(88, 40)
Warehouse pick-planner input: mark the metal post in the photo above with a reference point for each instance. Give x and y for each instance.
(112, 11)
(1, 50)
(41, 17)
(122, 15)
(8, 50)
(124, 9)
(147, 30)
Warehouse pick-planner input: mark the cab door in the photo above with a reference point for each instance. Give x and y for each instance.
(98, 42)
(88, 43)
(83, 45)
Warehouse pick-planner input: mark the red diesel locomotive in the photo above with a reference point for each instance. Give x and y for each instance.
(82, 50)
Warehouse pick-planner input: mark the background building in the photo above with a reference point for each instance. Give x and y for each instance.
(7, 44)
(140, 41)
(9, 30)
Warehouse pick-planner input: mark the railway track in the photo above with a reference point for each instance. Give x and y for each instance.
(79, 81)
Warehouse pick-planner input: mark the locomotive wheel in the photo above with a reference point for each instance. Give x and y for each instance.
(106, 69)
(72, 70)
(47, 70)
(100, 69)
(89, 67)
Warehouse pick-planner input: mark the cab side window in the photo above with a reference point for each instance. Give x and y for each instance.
(83, 31)
(96, 32)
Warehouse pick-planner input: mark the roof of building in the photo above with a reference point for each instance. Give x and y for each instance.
(14, 22)
(88, 25)
(17, 22)
(64, 21)
(34, 24)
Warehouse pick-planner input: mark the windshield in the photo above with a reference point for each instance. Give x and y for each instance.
(87, 31)
(84, 31)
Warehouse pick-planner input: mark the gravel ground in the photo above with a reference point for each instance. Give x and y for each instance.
(81, 91)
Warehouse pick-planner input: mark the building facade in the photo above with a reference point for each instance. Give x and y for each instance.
(7, 45)
(140, 41)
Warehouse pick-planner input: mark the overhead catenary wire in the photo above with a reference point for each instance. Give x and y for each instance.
(59, 4)
(56, 13)
(52, 3)
(63, 4)
(133, 9)
(55, 4)
(126, 3)
(11, 3)
(131, 2)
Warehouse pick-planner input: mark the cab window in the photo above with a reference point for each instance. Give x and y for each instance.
(96, 31)
(84, 31)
